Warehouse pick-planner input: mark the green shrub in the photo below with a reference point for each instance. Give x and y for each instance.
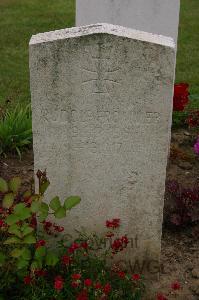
(15, 130)
(32, 268)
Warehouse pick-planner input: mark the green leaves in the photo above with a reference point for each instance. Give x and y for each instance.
(22, 263)
(3, 186)
(26, 229)
(16, 253)
(60, 213)
(14, 184)
(8, 200)
(71, 202)
(43, 212)
(59, 210)
(29, 239)
(25, 253)
(12, 219)
(51, 259)
(2, 258)
(22, 211)
(40, 252)
(12, 240)
(15, 229)
(20, 234)
(35, 206)
(55, 203)
(43, 187)
(23, 257)
(36, 265)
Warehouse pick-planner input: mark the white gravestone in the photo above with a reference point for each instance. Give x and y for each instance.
(155, 16)
(101, 108)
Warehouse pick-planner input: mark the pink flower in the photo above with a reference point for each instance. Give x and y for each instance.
(196, 147)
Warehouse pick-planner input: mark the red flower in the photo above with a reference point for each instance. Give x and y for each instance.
(88, 282)
(73, 247)
(193, 119)
(59, 283)
(2, 224)
(136, 277)
(124, 240)
(40, 273)
(175, 286)
(66, 260)
(75, 284)
(98, 286)
(161, 297)
(27, 280)
(84, 245)
(109, 234)
(40, 243)
(121, 274)
(82, 296)
(33, 222)
(119, 244)
(76, 276)
(47, 224)
(107, 288)
(114, 223)
(181, 96)
(58, 228)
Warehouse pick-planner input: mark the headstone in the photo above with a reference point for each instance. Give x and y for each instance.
(101, 108)
(155, 16)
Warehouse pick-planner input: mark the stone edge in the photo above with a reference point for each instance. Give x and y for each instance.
(121, 31)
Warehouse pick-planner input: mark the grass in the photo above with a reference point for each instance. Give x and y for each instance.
(19, 19)
(15, 130)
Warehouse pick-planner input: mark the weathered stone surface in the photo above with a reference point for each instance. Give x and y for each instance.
(156, 16)
(195, 287)
(195, 272)
(102, 108)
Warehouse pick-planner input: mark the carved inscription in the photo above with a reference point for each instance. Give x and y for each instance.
(100, 75)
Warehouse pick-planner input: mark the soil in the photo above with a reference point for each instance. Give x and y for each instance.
(180, 249)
